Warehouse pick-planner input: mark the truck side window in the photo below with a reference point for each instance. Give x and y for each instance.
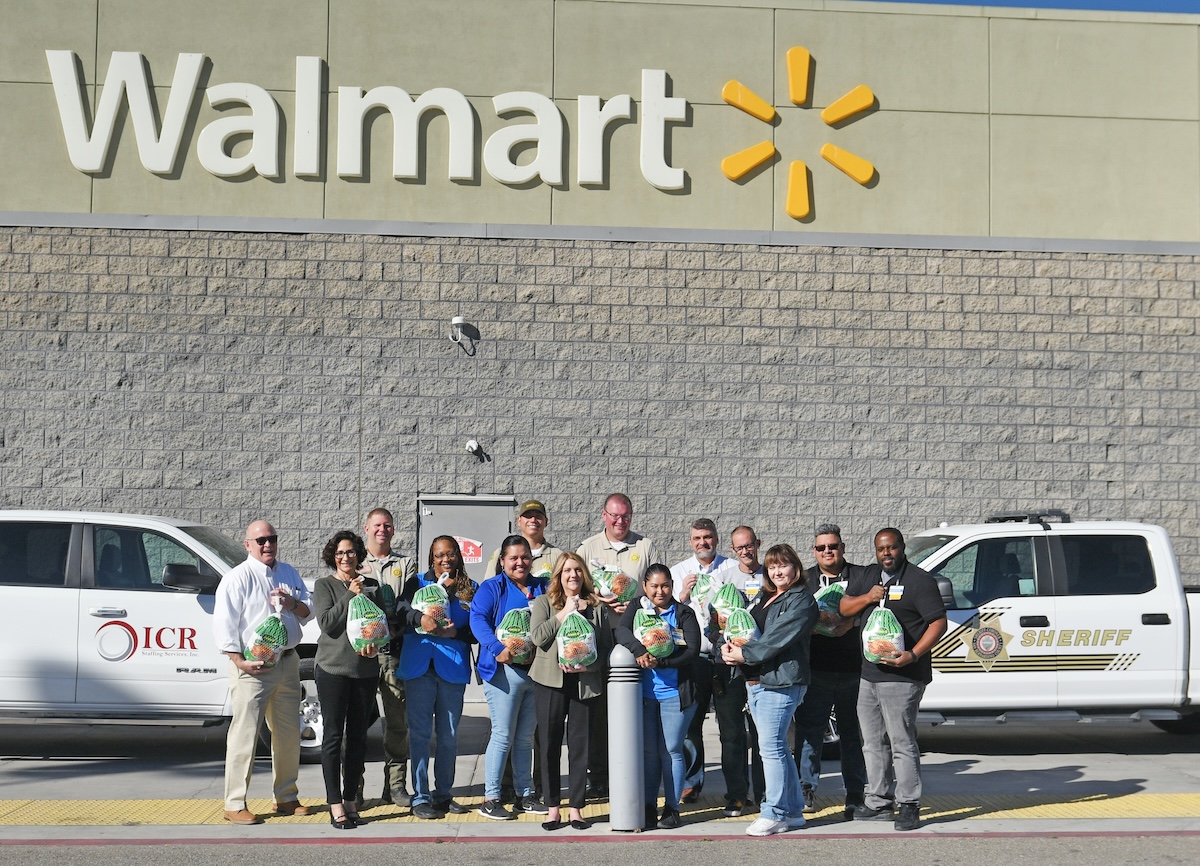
(990, 569)
(135, 558)
(34, 554)
(1107, 564)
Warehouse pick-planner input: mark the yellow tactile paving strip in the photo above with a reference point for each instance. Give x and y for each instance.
(200, 812)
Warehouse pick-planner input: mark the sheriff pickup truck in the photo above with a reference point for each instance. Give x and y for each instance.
(1051, 620)
(107, 618)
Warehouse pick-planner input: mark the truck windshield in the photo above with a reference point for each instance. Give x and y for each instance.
(923, 546)
(231, 552)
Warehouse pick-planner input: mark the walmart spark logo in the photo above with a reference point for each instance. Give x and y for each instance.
(798, 203)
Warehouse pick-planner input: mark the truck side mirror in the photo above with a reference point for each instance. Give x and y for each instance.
(185, 577)
(946, 590)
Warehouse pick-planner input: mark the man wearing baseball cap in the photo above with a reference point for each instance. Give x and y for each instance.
(532, 522)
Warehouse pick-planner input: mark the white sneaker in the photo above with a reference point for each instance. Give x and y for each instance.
(796, 823)
(766, 827)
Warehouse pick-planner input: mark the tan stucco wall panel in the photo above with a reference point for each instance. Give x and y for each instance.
(475, 46)
(601, 48)
(711, 200)
(912, 63)
(931, 173)
(34, 156)
(256, 42)
(437, 198)
(130, 188)
(1096, 178)
(1095, 69)
(28, 29)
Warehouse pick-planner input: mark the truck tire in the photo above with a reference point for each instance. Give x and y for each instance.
(312, 730)
(1187, 725)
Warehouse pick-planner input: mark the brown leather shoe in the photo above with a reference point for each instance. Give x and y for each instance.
(292, 808)
(242, 816)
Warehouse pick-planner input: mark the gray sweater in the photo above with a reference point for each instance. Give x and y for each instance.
(335, 655)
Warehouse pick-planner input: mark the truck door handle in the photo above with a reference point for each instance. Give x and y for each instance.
(1156, 619)
(1035, 622)
(107, 611)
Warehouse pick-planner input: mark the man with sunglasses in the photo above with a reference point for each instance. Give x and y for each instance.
(836, 667)
(260, 691)
(616, 549)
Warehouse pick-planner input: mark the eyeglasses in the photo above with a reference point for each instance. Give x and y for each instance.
(345, 554)
(265, 539)
(745, 548)
(619, 518)
(832, 548)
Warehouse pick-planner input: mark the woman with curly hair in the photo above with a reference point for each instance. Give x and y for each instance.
(435, 665)
(563, 695)
(346, 679)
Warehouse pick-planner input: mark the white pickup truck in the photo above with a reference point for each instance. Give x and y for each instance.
(1051, 620)
(108, 618)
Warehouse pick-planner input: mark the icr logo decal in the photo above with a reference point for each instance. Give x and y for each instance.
(859, 100)
(117, 641)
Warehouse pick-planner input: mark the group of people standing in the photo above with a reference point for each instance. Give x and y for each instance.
(785, 675)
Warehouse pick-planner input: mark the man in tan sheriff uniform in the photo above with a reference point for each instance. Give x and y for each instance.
(391, 570)
(532, 520)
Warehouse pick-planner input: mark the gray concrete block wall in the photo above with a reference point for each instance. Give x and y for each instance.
(227, 376)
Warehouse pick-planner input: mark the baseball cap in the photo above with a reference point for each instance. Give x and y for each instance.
(532, 505)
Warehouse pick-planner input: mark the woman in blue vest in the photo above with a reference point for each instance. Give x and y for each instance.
(436, 668)
(668, 693)
(507, 683)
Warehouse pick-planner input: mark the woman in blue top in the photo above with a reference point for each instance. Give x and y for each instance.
(507, 684)
(668, 693)
(436, 668)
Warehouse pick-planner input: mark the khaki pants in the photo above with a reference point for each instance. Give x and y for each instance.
(395, 730)
(272, 696)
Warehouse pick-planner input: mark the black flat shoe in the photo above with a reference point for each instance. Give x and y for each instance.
(356, 820)
(552, 825)
(580, 825)
(342, 823)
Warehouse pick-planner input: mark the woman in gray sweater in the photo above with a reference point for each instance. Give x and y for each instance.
(346, 679)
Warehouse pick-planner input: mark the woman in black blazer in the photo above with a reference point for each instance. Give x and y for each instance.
(668, 693)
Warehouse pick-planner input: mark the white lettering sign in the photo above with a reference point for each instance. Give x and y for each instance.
(529, 151)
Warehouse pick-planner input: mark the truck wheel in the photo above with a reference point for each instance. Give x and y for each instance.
(1186, 725)
(831, 746)
(312, 731)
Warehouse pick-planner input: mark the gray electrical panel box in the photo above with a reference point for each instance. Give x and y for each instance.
(479, 523)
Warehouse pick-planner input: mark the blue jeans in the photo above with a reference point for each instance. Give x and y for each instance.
(837, 691)
(431, 701)
(511, 709)
(772, 710)
(664, 726)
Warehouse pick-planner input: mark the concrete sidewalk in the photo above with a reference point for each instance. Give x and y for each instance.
(1037, 782)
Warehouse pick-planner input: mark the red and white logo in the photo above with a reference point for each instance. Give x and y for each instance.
(472, 550)
(117, 640)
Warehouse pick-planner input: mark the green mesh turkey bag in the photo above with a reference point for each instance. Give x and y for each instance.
(432, 600)
(740, 628)
(366, 624)
(654, 633)
(577, 642)
(704, 590)
(513, 632)
(387, 599)
(727, 600)
(882, 636)
(830, 621)
(614, 583)
(268, 642)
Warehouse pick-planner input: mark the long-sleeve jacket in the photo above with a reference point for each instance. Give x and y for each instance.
(780, 655)
(681, 657)
(496, 597)
(544, 625)
(335, 653)
(450, 656)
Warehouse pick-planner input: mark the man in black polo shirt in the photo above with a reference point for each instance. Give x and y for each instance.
(835, 661)
(891, 690)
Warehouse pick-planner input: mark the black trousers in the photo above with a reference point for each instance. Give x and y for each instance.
(562, 711)
(345, 709)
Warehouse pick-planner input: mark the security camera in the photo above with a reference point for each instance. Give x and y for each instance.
(473, 447)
